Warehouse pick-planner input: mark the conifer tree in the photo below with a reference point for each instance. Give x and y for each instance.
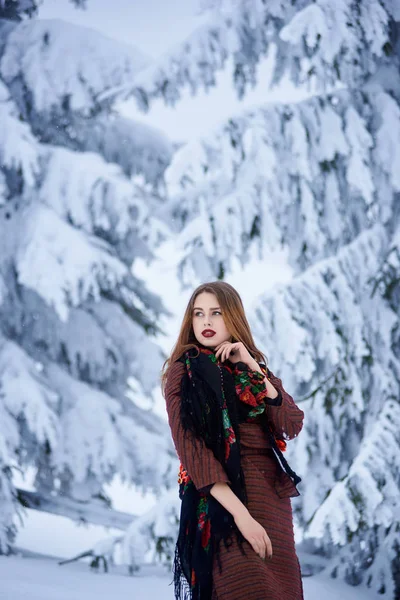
(81, 197)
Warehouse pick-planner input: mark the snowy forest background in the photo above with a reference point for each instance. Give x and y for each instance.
(108, 221)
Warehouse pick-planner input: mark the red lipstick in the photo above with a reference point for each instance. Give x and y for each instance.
(208, 333)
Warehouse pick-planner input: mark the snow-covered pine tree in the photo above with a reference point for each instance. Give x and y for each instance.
(266, 178)
(321, 180)
(335, 332)
(318, 41)
(79, 191)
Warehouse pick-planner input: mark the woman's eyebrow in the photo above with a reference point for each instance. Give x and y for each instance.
(198, 308)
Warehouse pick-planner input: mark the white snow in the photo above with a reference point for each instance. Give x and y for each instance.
(41, 578)
(57, 59)
(18, 147)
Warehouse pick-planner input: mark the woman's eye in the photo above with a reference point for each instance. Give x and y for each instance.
(200, 313)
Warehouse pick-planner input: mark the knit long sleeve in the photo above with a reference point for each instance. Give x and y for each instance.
(199, 461)
(287, 418)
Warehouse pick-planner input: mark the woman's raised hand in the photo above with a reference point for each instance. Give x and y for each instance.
(254, 533)
(234, 351)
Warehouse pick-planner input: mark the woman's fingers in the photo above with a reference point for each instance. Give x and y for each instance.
(255, 534)
(220, 348)
(262, 546)
(225, 352)
(259, 549)
(224, 349)
(268, 545)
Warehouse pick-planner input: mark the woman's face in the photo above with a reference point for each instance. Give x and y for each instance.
(207, 315)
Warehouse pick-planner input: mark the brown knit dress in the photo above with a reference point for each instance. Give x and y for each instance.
(268, 488)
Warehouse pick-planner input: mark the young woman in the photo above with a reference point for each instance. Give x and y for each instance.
(230, 418)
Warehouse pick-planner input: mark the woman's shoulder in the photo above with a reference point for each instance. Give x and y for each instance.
(174, 377)
(177, 368)
(178, 363)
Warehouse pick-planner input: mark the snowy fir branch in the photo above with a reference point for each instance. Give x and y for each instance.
(316, 41)
(309, 175)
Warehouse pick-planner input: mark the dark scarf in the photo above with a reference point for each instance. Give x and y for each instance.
(210, 409)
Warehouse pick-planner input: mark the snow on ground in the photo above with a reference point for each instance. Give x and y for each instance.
(41, 578)
(38, 578)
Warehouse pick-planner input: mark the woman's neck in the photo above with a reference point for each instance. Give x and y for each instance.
(212, 348)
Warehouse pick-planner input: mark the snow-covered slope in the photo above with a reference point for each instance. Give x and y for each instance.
(41, 578)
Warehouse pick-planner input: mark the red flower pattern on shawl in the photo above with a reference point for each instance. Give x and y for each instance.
(251, 388)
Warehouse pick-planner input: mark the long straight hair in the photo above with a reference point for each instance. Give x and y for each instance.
(234, 318)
